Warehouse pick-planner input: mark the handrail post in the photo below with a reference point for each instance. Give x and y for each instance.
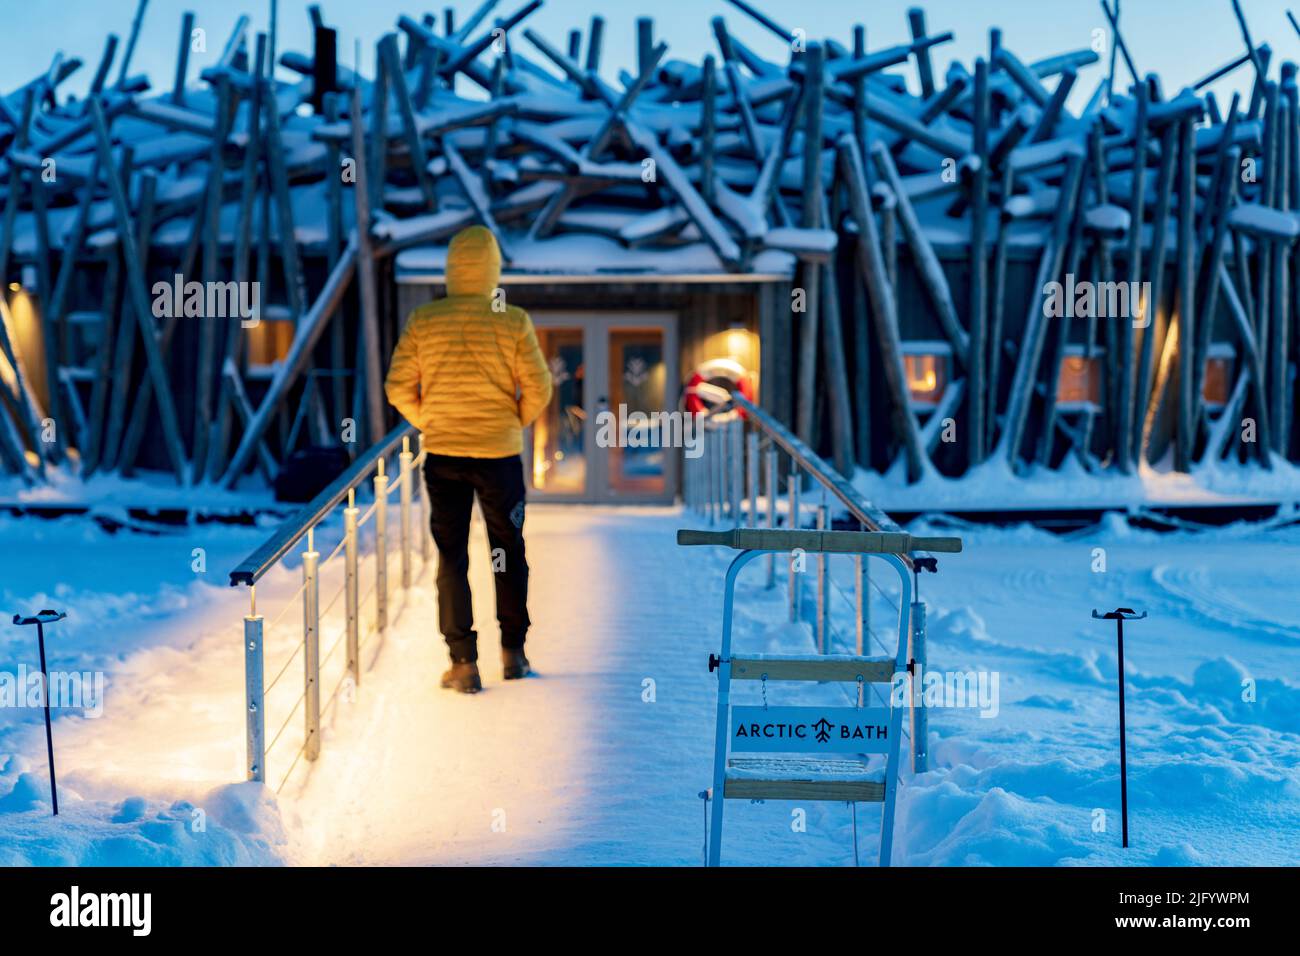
(920, 719)
(720, 446)
(311, 647)
(751, 471)
(381, 548)
(352, 588)
(715, 472)
(254, 688)
(771, 509)
(823, 591)
(862, 598)
(404, 519)
(425, 534)
(793, 522)
(736, 475)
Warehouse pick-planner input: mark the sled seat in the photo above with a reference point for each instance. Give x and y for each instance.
(803, 778)
(818, 667)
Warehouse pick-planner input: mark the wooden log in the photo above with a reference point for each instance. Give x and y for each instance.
(1214, 235)
(871, 265)
(1144, 398)
(1245, 330)
(998, 306)
(127, 330)
(136, 22)
(1049, 267)
(645, 27)
(101, 72)
(809, 331)
(1021, 76)
(1059, 331)
(139, 298)
(924, 68)
(708, 123)
(243, 408)
(930, 269)
(307, 334)
(295, 286)
(406, 111)
(1280, 347)
(1186, 294)
(1113, 17)
(763, 19)
(56, 312)
(834, 364)
(334, 245)
(241, 267)
(365, 265)
(206, 367)
(1127, 363)
(977, 355)
(103, 367)
(1047, 120)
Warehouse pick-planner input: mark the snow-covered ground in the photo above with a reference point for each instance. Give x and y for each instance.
(601, 757)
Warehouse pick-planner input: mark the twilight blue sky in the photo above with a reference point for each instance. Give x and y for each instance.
(1179, 39)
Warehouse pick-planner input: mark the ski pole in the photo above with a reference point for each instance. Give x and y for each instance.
(40, 620)
(1119, 616)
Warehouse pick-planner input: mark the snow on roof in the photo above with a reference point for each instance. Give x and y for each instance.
(580, 257)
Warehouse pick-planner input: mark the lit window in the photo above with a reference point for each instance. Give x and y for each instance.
(1218, 377)
(269, 341)
(1079, 382)
(926, 366)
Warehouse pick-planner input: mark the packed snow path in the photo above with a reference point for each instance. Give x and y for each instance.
(599, 758)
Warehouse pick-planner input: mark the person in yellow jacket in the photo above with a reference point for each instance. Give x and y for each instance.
(468, 372)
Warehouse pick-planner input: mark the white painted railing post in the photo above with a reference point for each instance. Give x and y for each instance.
(381, 548)
(311, 647)
(771, 509)
(352, 588)
(793, 522)
(736, 476)
(920, 720)
(751, 473)
(823, 591)
(862, 598)
(715, 477)
(404, 518)
(255, 715)
(425, 534)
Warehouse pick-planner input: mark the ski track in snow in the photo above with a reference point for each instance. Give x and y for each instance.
(599, 759)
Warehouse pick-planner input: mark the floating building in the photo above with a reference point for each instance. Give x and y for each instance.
(902, 266)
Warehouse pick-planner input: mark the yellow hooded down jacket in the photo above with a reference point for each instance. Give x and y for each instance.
(468, 375)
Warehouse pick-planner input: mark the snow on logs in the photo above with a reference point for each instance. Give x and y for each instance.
(832, 155)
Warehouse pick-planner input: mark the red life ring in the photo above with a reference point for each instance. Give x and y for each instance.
(703, 388)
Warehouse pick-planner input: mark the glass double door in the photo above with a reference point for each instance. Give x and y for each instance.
(603, 437)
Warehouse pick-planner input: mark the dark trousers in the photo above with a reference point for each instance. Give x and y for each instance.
(499, 483)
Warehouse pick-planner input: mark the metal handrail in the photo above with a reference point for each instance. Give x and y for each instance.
(251, 569)
(807, 459)
(738, 454)
(369, 467)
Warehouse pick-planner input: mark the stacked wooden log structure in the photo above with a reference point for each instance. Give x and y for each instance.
(941, 207)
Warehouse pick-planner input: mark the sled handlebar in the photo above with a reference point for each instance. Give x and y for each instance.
(837, 542)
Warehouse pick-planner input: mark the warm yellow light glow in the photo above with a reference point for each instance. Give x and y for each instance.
(1215, 387)
(925, 376)
(269, 341)
(15, 287)
(1079, 381)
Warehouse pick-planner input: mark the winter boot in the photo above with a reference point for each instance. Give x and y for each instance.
(513, 664)
(463, 677)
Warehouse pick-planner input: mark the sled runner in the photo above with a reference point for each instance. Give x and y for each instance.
(809, 753)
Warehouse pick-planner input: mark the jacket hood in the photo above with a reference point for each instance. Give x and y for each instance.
(473, 262)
